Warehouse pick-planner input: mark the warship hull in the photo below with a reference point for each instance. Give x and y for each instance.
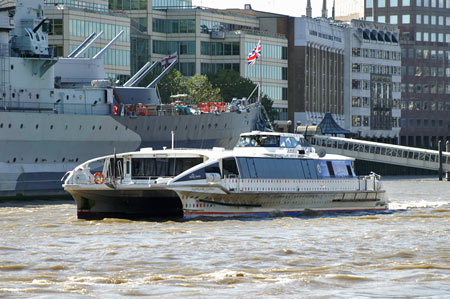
(39, 148)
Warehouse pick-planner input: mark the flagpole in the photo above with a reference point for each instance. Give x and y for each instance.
(260, 79)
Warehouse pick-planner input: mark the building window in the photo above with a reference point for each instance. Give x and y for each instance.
(393, 19)
(394, 3)
(406, 3)
(433, 20)
(418, 19)
(425, 19)
(418, 2)
(405, 19)
(381, 3)
(419, 36)
(369, 3)
(356, 121)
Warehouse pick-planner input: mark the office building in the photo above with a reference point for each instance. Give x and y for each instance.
(316, 70)
(374, 55)
(425, 41)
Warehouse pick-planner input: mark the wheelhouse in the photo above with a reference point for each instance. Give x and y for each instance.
(266, 139)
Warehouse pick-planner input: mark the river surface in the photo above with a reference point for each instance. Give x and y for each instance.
(46, 252)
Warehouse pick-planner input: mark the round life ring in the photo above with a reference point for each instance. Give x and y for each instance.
(99, 178)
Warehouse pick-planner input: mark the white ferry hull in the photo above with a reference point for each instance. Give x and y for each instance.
(278, 204)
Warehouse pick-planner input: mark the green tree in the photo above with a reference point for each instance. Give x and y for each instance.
(267, 104)
(200, 89)
(171, 84)
(231, 84)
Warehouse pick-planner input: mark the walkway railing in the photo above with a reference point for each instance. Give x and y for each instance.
(382, 152)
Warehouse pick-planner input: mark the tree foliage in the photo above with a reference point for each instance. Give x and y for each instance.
(173, 83)
(231, 84)
(200, 89)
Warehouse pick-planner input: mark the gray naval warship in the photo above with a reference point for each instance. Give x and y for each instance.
(58, 112)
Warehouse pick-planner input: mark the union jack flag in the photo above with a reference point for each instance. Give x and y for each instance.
(254, 55)
(168, 60)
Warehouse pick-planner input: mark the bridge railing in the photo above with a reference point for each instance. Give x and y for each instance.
(381, 152)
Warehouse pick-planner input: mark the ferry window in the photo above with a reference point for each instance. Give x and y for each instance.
(251, 168)
(269, 141)
(157, 167)
(246, 142)
(243, 168)
(340, 168)
(214, 168)
(330, 168)
(349, 168)
(323, 172)
(229, 167)
(288, 142)
(306, 169)
(312, 169)
(128, 167)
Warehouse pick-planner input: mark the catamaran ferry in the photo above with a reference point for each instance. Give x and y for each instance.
(265, 174)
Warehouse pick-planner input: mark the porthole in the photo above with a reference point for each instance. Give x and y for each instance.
(99, 128)
(165, 128)
(203, 127)
(176, 128)
(93, 128)
(13, 94)
(14, 160)
(21, 126)
(12, 67)
(225, 125)
(135, 128)
(196, 127)
(76, 160)
(9, 126)
(215, 126)
(51, 127)
(37, 96)
(148, 128)
(67, 97)
(36, 160)
(1, 125)
(37, 126)
(209, 126)
(81, 127)
(67, 127)
(117, 128)
(186, 127)
(63, 159)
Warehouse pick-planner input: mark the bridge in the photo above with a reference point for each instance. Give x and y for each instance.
(382, 152)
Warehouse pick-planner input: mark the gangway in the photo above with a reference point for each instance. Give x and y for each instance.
(382, 152)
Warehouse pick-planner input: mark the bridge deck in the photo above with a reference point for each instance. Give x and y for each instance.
(382, 152)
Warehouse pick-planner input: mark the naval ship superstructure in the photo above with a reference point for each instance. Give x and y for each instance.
(58, 112)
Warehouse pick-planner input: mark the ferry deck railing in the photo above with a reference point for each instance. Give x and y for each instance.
(382, 152)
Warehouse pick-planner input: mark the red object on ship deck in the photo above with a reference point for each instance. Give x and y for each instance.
(213, 106)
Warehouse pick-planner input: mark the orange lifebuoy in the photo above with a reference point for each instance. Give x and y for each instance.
(99, 178)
